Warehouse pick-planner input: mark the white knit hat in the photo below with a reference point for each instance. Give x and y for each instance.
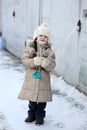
(41, 30)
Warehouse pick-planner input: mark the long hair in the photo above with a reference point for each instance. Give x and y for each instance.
(35, 44)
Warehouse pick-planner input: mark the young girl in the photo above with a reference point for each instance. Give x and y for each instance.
(39, 60)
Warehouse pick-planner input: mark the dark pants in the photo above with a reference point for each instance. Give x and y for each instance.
(37, 109)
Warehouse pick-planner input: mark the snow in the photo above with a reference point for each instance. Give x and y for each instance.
(67, 111)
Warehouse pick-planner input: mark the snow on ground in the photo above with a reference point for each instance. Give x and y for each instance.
(67, 111)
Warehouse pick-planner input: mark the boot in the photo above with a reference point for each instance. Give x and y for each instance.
(30, 119)
(39, 121)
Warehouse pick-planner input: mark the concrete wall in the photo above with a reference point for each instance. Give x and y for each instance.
(0, 18)
(68, 43)
(63, 20)
(83, 48)
(13, 25)
(20, 17)
(19, 22)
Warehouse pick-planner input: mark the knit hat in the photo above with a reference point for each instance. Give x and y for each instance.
(41, 30)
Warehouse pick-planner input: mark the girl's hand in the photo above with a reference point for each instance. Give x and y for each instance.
(37, 61)
(44, 62)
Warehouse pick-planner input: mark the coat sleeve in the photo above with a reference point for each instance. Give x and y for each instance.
(27, 61)
(51, 58)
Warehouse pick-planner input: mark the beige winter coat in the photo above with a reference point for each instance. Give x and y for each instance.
(38, 90)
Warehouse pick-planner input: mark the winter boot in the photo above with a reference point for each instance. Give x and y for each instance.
(30, 119)
(39, 121)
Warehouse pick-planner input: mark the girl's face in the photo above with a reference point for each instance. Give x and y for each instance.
(42, 38)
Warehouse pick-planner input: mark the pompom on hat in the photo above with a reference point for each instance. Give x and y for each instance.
(41, 30)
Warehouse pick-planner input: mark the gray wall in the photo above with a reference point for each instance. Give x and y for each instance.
(61, 16)
(0, 18)
(19, 22)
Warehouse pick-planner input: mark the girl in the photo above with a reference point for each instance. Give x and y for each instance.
(39, 60)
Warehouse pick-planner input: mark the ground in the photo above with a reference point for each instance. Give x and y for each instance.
(67, 111)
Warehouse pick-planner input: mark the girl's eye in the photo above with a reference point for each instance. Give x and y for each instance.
(45, 36)
(40, 35)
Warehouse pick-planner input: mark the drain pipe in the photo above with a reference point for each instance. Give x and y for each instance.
(39, 12)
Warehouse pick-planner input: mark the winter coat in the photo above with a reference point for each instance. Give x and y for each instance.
(37, 90)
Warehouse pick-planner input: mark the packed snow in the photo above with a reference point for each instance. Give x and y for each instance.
(67, 111)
